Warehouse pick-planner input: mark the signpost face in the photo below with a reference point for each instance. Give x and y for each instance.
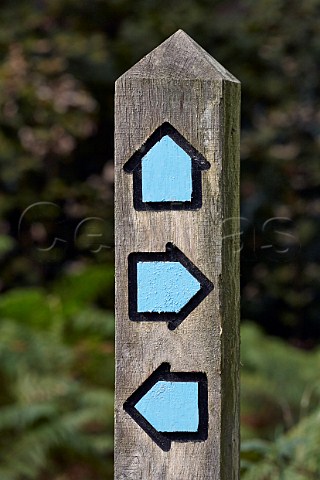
(177, 267)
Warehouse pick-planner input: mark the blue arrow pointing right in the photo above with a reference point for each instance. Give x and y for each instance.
(164, 286)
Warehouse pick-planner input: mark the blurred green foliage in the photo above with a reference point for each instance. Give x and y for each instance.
(58, 63)
(280, 405)
(56, 370)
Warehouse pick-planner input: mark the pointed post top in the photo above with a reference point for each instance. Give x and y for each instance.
(180, 57)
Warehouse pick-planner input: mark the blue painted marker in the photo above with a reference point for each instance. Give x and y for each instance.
(171, 406)
(164, 286)
(166, 173)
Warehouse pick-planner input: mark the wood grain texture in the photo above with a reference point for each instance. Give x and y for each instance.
(181, 84)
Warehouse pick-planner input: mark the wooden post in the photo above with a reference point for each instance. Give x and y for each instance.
(177, 267)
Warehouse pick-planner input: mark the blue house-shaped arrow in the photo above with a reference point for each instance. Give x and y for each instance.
(167, 172)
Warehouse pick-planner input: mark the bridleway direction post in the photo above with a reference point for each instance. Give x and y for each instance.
(177, 267)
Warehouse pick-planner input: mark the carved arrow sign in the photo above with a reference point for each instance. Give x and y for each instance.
(164, 286)
(171, 406)
(167, 172)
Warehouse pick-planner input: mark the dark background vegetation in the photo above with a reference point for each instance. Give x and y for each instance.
(59, 61)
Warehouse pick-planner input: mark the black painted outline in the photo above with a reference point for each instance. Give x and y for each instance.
(164, 439)
(198, 163)
(172, 254)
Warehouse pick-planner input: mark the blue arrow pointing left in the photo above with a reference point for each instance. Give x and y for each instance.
(164, 286)
(171, 406)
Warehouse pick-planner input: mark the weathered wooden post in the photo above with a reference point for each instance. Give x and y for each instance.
(177, 267)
